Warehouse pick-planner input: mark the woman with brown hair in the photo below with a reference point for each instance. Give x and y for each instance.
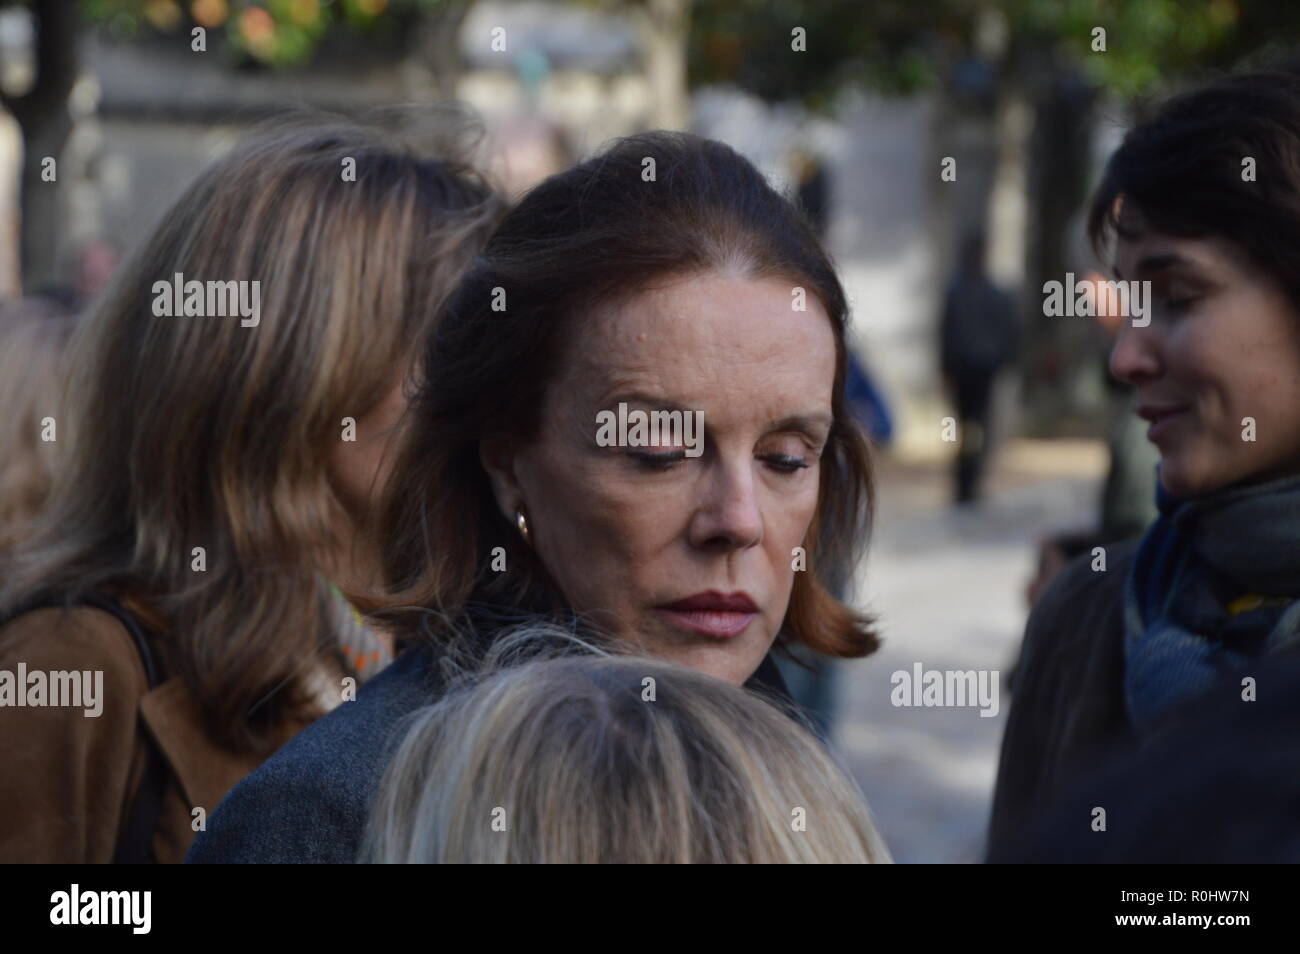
(201, 547)
(630, 420)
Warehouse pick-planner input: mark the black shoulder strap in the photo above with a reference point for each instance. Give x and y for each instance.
(142, 822)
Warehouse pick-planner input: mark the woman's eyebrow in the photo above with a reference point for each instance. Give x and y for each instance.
(812, 421)
(650, 400)
(1156, 263)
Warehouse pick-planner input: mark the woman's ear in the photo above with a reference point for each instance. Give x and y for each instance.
(497, 455)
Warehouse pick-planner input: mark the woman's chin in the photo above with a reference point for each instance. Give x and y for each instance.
(1185, 477)
(1180, 482)
(729, 663)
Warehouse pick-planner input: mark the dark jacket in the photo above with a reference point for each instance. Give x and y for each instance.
(978, 331)
(309, 802)
(1215, 783)
(1067, 706)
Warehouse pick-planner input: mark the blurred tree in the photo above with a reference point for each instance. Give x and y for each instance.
(281, 33)
(40, 109)
(664, 26)
(901, 46)
(270, 33)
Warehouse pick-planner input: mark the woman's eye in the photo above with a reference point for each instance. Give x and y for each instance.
(786, 463)
(1176, 301)
(657, 461)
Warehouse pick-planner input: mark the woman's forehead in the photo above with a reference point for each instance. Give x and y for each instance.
(709, 308)
(710, 329)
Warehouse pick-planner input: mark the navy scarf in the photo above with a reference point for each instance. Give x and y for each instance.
(1212, 587)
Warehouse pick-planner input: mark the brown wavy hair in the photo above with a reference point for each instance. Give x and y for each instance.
(592, 235)
(198, 431)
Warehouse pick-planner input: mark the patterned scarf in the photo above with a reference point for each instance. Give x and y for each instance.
(364, 654)
(1212, 588)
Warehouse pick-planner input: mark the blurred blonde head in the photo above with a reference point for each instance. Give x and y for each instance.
(34, 336)
(192, 431)
(613, 759)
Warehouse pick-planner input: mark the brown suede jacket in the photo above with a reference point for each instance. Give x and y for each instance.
(69, 781)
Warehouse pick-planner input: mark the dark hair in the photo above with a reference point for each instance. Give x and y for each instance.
(1184, 171)
(592, 235)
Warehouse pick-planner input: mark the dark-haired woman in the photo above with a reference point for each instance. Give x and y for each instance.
(662, 278)
(1203, 202)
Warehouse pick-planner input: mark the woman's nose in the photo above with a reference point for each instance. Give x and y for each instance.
(1135, 358)
(729, 517)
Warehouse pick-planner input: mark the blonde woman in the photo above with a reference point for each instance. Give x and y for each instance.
(613, 759)
(203, 549)
(34, 337)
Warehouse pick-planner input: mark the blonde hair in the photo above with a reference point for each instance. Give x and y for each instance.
(34, 335)
(586, 760)
(200, 432)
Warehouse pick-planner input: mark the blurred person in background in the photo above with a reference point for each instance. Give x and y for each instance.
(34, 335)
(92, 268)
(1111, 651)
(202, 546)
(613, 760)
(978, 337)
(812, 189)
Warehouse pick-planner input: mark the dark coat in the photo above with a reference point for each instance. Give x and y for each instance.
(309, 802)
(1067, 707)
